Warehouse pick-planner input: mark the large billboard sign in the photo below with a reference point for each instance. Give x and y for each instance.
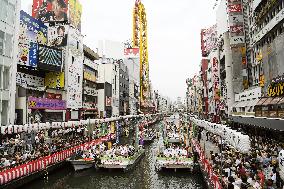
(75, 12)
(45, 103)
(58, 11)
(208, 39)
(50, 10)
(50, 58)
(32, 32)
(57, 35)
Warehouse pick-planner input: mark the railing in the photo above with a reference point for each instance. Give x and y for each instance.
(206, 166)
(47, 161)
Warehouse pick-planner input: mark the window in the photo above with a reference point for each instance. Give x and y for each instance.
(77, 44)
(11, 14)
(8, 45)
(6, 78)
(3, 10)
(2, 34)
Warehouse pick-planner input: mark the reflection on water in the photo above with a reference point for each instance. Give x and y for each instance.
(143, 176)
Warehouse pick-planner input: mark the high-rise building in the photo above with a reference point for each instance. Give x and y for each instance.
(9, 31)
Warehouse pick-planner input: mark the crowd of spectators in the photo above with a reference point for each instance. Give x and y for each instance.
(22, 148)
(258, 169)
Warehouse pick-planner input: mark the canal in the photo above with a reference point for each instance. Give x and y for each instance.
(143, 176)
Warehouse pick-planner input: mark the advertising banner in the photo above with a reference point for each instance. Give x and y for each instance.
(208, 39)
(131, 52)
(89, 76)
(50, 10)
(108, 101)
(32, 32)
(45, 103)
(50, 58)
(75, 12)
(75, 80)
(26, 80)
(54, 80)
(57, 35)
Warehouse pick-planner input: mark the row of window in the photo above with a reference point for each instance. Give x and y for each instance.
(268, 17)
(6, 44)
(7, 12)
(4, 77)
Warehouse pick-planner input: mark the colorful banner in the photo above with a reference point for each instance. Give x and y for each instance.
(50, 10)
(50, 58)
(131, 52)
(75, 12)
(89, 76)
(57, 35)
(26, 80)
(32, 32)
(45, 103)
(54, 80)
(208, 39)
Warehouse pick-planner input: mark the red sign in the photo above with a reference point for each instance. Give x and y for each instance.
(237, 29)
(208, 39)
(108, 101)
(235, 8)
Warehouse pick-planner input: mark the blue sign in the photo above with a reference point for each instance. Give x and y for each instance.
(32, 32)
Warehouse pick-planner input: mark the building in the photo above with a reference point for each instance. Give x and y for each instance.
(9, 27)
(132, 61)
(123, 89)
(90, 93)
(108, 88)
(49, 66)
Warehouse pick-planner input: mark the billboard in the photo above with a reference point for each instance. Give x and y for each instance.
(57, 35)
(50, 58)
(26, 80)
(31, 33)
(208, 39)
(75, 12)
(50, 10)
(131, 52)
(54, 80)
(45, 103)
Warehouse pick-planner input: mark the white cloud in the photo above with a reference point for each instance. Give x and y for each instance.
(173, 29)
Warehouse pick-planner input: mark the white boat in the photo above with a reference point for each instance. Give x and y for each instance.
(124, 163)
(81, 164)
(174, 163)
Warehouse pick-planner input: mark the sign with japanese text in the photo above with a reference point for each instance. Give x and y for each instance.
(131, 52)
(89, 76)
(261, 81)
(216, 78)
(45, 103)
(26, 80)
(54, 80)
(75, 13)
(32, 32)
(51, 10)
(234, 8)
(208, 39)
(108, 101)
(57, 35)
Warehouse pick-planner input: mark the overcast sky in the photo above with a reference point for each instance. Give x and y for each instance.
(173, 34)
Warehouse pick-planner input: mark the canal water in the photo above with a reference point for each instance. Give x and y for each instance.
(143, 176)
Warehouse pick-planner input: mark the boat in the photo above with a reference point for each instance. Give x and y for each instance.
(121, 162)
(81, 164)
(174, 163)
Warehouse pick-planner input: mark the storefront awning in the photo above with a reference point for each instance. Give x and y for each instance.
(281, 101)
(261, 101)
(275, 100)
(268, 101)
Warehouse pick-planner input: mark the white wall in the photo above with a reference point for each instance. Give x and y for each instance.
(74, 70)
(222, 18)
(111, 49)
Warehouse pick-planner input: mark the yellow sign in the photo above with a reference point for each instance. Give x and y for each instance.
(259, 56)
(276, 89)
(90, 77)
(112, 127)
(243, 51)
(54, 80)
(261, 80)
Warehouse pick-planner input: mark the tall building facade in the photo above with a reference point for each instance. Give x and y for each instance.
(9, 30)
